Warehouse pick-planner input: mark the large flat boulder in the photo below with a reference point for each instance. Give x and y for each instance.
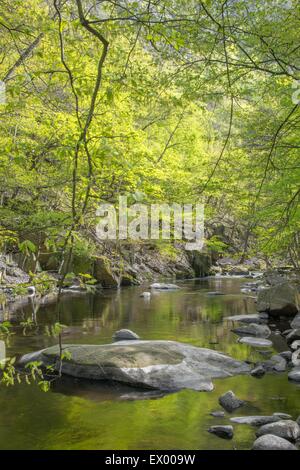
(163, 365)
(278, 300)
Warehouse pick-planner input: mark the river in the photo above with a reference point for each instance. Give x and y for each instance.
(85, 415)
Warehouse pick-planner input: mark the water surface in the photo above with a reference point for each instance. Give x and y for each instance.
(91, 415)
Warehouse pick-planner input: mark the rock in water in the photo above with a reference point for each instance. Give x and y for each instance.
(146, 295)
(255, 420)
(230, 402)
(257, 342)
(281, 299)
(162, 365)
(225, 432)
(125, 335)
(218, 414)
(287, 355)
(296, 322)
(277, 363)
(258, 372)
(253, 329)
(294, 335)
(160, 286)
(259, 318)
(213, 293)
(143, 395)
(294, 375)
(270, 442)
(282, 415)
(286, 429)
(295, 345)
(296, 358)
(286, 332)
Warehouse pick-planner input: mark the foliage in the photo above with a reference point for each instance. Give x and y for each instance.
(87, 282)
(5, 328)
(170, 101)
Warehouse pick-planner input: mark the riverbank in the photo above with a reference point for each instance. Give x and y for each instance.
(128, 266)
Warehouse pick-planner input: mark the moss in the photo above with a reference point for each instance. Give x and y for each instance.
(168, 251)
(82, 264)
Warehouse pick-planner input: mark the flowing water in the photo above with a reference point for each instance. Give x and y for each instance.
(88, 415)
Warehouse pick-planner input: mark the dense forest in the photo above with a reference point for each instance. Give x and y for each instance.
(164, 101)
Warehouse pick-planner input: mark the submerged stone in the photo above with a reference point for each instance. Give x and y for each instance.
(212, 293)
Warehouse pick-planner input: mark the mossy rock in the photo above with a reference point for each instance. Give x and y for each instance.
(128, 280)
(104, 273)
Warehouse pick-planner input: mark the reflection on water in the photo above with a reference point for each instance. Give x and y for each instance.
(101, 391)
(2, 350)
(88, 415)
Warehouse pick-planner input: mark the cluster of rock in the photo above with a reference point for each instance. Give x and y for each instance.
(141, 262)
(275, 432)
(227, 266)
(277, 297)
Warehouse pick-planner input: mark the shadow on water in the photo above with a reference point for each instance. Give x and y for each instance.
(87, 415)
